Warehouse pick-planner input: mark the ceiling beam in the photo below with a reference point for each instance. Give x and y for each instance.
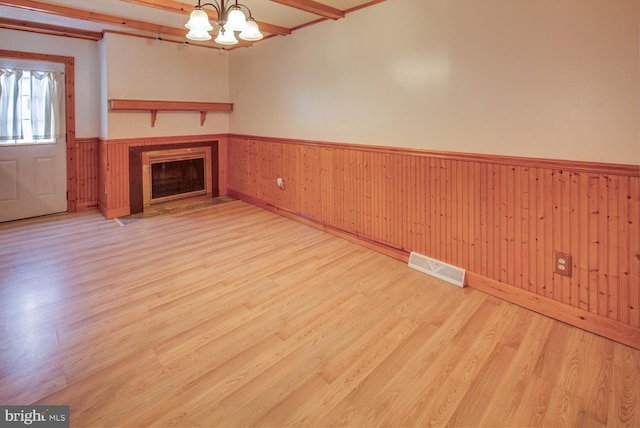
(102, 18)
(166, 5)
(313, 7)
(363, 5)
(185, 9)
(86, 15)
(202, 44)
(34, 27)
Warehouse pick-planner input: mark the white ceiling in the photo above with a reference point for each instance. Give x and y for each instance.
(267, 11)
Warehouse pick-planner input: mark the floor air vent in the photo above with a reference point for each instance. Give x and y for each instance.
(441, 270)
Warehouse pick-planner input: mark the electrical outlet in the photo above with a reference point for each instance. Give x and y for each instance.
(562, 263)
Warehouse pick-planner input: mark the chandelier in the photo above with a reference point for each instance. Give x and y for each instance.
(230, 18)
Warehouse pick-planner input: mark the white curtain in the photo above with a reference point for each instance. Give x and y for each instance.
(10, 105)
(58, 103)
(45, 105)
(47, 95)
(42, 119)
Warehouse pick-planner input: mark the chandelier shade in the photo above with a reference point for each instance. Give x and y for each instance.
(199, 21)
(251, 32)
(236, 21)
(226, 37)
(231, 18)
(199, 35)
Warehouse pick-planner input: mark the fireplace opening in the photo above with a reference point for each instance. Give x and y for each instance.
(141, 158)
(173, 174)
(170, 178)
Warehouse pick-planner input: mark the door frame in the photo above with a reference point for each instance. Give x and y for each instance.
(70, 114)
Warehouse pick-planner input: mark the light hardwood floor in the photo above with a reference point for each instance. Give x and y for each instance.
(235, 316)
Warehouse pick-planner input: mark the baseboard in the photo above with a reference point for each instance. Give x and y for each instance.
(111, 214)
(594, 323)
(83, 206)
(359, 239)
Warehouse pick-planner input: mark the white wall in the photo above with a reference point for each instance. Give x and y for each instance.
(539, 78)
(139, 68)
(104, 108)
(87, 72)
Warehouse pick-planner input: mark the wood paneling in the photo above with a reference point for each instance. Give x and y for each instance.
(87, 172)
(498, 217)
(114, 196)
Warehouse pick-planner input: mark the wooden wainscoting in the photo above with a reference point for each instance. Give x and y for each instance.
(500, 218)
(114, 195)
(86, 173)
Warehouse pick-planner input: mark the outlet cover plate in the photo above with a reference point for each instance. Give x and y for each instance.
(562, 263)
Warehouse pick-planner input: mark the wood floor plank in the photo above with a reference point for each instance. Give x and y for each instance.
(234, 316)
(361, 363)
(594, 395)
(511, 385)
(403, 398)
(482, 388)
(624, 400)
(542, 382)
(448, 397)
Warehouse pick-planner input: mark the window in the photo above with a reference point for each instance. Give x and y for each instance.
(29, 106)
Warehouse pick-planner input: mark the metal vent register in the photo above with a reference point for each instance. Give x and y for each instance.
(441, 270)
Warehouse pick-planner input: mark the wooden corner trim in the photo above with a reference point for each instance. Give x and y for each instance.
(52, 30)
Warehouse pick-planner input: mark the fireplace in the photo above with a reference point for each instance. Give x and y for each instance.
(175, 174)
(167, 172)
(177, 178)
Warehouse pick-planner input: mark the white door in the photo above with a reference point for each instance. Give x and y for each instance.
(33, 176)
(33, 180)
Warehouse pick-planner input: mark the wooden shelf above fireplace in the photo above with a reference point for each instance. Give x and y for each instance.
(154, 106)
